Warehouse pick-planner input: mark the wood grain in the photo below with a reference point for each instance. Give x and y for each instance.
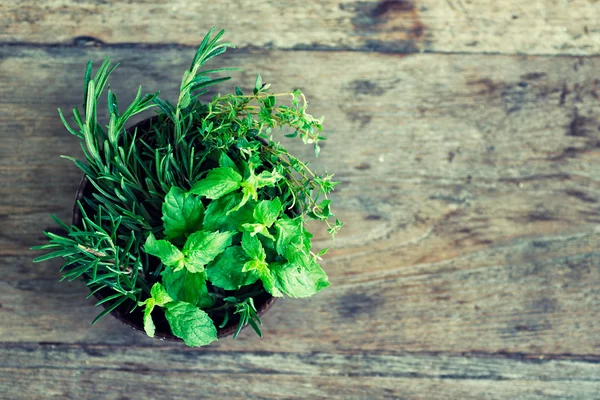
(484, 26)
(469, 190)
(101, 372)
(468, 267)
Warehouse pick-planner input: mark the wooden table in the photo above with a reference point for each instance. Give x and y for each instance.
(466, 135)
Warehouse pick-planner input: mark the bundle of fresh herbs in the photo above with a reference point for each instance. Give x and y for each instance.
(200, 213)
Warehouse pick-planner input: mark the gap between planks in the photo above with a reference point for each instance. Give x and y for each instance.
(438, 366)
(98, 44)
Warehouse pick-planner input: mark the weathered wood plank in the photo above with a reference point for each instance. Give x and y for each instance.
(34, 371)
(533, 27)
(470, 188)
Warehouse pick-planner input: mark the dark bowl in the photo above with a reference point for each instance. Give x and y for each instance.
(135, 319)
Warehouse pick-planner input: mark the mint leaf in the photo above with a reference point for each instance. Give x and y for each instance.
(168, 253)
(267, 178)
(218, 183)
(191, 324)
(297, 251)
(219, 218)
(255, 265)
(160, 295)
(254, 182)
(265, 214)
(226, 162)
(205, 300)
(248, 192)
(287, 229)
(202, 247)
(258, 264)
(267, 211)
(261, 180)
(226, 271)
(253, 247)
(268, 280)
(148, 323)
(297, 281)
(182, 213)
(253, 229)
(186, 286)
(159, 298)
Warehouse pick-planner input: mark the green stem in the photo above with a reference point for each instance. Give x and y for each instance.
(240, 299)
(223, 307)
(144, 285)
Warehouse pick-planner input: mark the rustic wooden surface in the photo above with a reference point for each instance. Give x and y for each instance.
(467, 139)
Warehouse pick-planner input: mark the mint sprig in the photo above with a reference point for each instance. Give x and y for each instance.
(218, 183)
(187, 321)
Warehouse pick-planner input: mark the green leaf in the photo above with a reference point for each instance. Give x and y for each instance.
(66, 124)
(54, 254)
(297, 281)
(202, 247)
(323, 210)
(86, 81)
(248, 192)
(226, 271)
(160, 295)
(166, 108)
(297, 251)
(322, 252)
(168, 253)
(287, 229)
(267, 211)
(187, 286)
(255, 265)
(267, 178)
(254, 182)
(218, 217)
(247, 315)
(333, 230)
(110, 309)
(269, 283)
(201, 82)
(218, 183)
(191, 324)
(258, 84)
(148, 323)
(253, 247)
(205, 300)
(263, 179)
(253, 229)
(226, 162)
(182, 213)
(270, 102)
